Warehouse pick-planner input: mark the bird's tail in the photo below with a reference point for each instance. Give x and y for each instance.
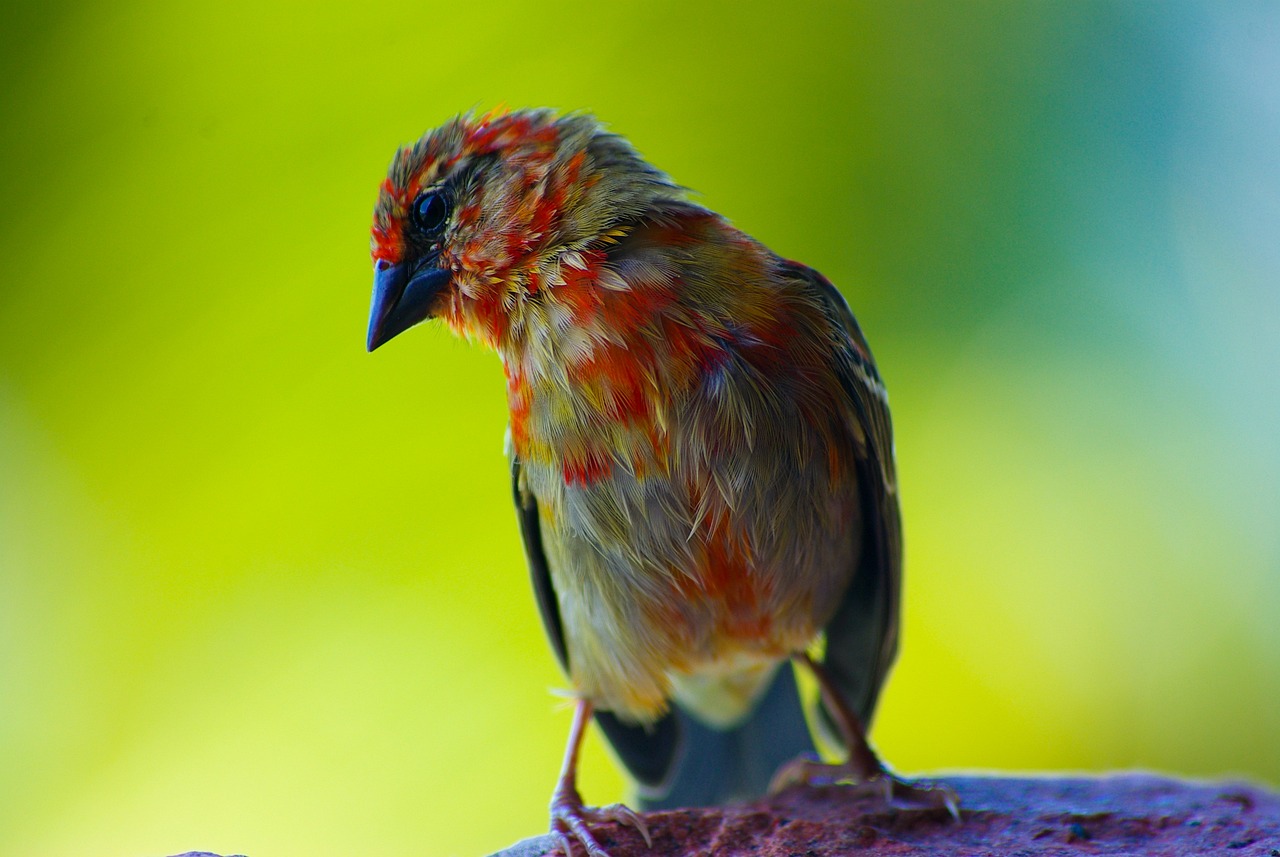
(681, 761)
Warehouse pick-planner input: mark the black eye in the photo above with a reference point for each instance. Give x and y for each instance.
(430, 211)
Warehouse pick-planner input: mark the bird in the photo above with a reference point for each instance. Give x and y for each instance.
(701, 456)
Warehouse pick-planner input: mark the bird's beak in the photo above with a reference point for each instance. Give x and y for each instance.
(399, 300)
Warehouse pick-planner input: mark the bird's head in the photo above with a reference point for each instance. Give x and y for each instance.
(476, 219)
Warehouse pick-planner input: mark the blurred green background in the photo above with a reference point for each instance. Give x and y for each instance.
(262, 593)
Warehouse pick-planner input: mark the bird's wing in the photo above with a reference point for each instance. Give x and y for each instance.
(649, 752)
(539, 572)
(862, 636)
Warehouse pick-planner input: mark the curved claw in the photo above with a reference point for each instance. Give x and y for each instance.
(927, 797)
(893, 790)
(883, 785)
(577, 830)
(569, 820)
(802, 770)
(622, 814)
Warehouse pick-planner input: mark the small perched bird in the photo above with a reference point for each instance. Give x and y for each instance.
(700, 449)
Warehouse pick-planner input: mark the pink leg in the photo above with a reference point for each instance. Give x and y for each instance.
(569, 818)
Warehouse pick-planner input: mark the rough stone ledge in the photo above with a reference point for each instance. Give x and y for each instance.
(1131, 814)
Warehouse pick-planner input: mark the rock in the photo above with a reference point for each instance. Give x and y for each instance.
(1130, 814)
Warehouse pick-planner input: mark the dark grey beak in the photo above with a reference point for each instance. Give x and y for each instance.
(400, 301)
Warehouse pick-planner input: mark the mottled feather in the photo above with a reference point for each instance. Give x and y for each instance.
(701, 448)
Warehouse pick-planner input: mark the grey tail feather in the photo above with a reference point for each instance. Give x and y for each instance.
(714, 767)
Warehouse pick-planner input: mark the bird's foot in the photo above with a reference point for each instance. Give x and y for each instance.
(893, 790)
(569, 820)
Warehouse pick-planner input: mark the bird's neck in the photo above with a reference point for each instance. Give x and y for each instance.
(609, 344)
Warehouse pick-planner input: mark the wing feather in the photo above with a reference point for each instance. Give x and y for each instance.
(862, 636)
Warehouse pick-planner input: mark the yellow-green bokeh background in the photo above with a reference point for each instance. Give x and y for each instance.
(262, 593)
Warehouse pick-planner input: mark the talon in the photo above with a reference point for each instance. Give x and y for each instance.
(882, 785)
(623, 814)
(575, 828)
(931, 796)
(924, 796)
(569, 820)
(953, 807)
(565, 843)
(799, 771)
(862, 768)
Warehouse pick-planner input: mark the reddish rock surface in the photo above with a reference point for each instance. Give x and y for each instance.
(1135, 814)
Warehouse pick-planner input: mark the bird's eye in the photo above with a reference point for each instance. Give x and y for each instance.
(430, 211)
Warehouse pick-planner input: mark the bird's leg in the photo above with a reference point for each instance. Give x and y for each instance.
(863, 767)
(569, 818)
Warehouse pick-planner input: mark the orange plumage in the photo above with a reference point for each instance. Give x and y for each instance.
(700, 441)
